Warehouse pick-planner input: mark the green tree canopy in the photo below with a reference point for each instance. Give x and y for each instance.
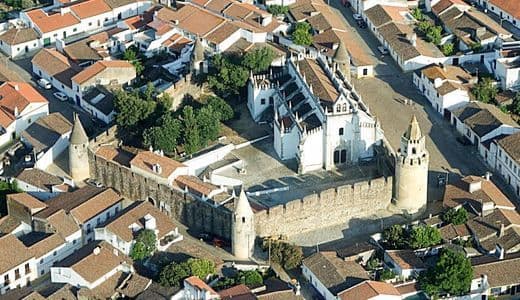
(208, 123)
(131, 109)
(173, 274)
(394, 236)
(191, 135)
(277, 9)
(485, 91)
(144, 246)
(417, 14)
(434, 34)
(221, 107)
(201, 267)
(250, 278)
(302, 34)
(287, 255)
(455, 216)
(229, 78)
(515, 106)
(386, 274)
(452, 274)
(165, 136)
(259, 59)
(424, 236)
(131, 55)
(448, 49)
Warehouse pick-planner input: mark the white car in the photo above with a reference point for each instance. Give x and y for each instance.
(382, 49)
(44, 83)
(357, 17)
(61, 96)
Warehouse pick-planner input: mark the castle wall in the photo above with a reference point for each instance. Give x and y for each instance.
(197, 215)
(330, 207)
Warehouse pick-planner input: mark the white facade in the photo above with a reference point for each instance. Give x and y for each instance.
(509, 168)
(316, 283)
(88, 226)
(18, 276)
(18, 50)
(35, 191)
(68, 275)
(319, 137)
(504, 15)
(60, 86)
(507, 70)
(47, 260)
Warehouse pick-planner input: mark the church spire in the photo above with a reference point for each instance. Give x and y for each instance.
(413, 132)
(78, 135)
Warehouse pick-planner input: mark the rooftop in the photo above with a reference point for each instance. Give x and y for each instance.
(511, 145)
(15, 36)
(406, 259)
(56, 65)
(100, 66)
(17, 253)
(483, 118)
(458, 193)
(369, 289)
(499, 273)
(49, 22)
(46, 131)
(145, 160)
(14, 98)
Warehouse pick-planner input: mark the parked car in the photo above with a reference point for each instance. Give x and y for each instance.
(382, 49)
(92, 182)
(61, 96)
(362, 24)
(357, 17)
(44, 83)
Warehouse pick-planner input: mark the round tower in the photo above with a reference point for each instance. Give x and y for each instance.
(243, 229)
(78, 152)
(342, 60)
(198, 63)
(411, 171)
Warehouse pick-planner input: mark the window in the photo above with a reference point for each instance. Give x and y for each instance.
(341, 131)
(365, 72)
(108, 215)
(243, 219)
(54, 253)
(338, 108)
(41, 272)
(41, 261)
(89, 23)
(74, 242)
(17, 274)
(74, 30)
(6, 279)
(27, 269)
(117, 210)
(262, 101)
(344, 107)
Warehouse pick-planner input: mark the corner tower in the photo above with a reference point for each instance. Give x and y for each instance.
(243, 229)
(199, 65)
(78, 152)
(341, 60)
(411, 171)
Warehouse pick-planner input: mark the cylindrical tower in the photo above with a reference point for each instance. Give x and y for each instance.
(243, 229)
(411, 171)
(342, 60)
(78, 152)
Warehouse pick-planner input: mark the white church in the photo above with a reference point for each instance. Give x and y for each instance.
(317, 116)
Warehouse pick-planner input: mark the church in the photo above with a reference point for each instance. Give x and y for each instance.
(317, 116)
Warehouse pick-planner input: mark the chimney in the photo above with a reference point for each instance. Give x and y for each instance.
(487, 176)
(97, 250)
(413, 39)
(499, 251)
(502, 229)
(16, 87)
(116, 253)
(474, 185)
(156, 168)
(486, 207)
(149, 222)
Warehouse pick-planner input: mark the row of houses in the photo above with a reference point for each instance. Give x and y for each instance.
(82, 238)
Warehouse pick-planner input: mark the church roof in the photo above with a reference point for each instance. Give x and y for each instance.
(242, 206)
(78, 135)
(341, 55)
(198, 51)
(413, 132)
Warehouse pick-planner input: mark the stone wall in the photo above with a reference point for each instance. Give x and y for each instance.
(329, 207)
(197, 215)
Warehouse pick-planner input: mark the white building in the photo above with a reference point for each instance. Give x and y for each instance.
(91, 266)
(196, 289)
(404, 263)
(371, 290)
(507, 10)
(17, 265)
(121, 232)
(496, 278)
(16, 42)
(507, 161)
(48, 137)
(40, 184)
(319, 118)
(507, 70)
(20, 106)
(444, 86)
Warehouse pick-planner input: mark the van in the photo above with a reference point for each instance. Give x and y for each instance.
(44, 83)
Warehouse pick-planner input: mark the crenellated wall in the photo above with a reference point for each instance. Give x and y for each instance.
(329, 207)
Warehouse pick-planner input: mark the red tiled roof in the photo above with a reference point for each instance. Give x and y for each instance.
(90, 8)
(512, 7)
(51, 22)
(17, 95)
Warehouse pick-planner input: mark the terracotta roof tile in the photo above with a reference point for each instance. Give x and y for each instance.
(222, 33)
(195, 184)
(18, 95)
(201, 285)
(25, 199)
(499, 273)
(368, 290)
(95, 205)
(406, 259)
(16, 36)
(52, 22)
(39, 179)
(511, 145)
(90, 8)
(511, 7)
(145, 160)
(63, 223)
(98, 67)
(18, 253)
(56, 65)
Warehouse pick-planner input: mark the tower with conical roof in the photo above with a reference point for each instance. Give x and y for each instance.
(243, 229)
(198, 62)
(411, 171)
(78, 152)
(341, 60)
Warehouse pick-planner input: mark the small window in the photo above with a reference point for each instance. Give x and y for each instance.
(89, 23)
(271, 100)
(41, 261)
(54, 253)
(17, 274)
(243, 219)
(74, 30)
(338, 108)
(27, 269)
(262, 101)
(341, 131)
(6, 279)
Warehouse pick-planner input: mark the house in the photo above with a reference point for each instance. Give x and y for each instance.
(55, 68)
(52, 25)
(18, 268)
(88, 206)
(479, 122)
(359, 252)
(507, 71)
(360, 6)
(507, 161)
(453, 232)
(40, 184)
(370, 290)
(202, 190)
(240, 291)
(506, 10)
(404, 263)
(96, 265)
(99, 102)
(195, 288)
(331, 275)
(391, 25)
(16, 42)
(158, 167)
(104, 72)
(20, 105)
(496, 278)
(437, 6)
(48, 137)
(444, 86)
(121, 231)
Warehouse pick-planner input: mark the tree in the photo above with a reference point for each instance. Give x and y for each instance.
(302, 34)
(277, 9)
(208, 124)
(394, 236)
(259, 59)
(451, 274)
(424, 26)
(201, 267)
(144, 246)
(173, 274)
(191, 135)
(131, 109)
(417, 14)
(434, 34)
(515, 106)
(448, 49)
(229, 77)
(220, 106)
(24, 4)
(130, 54)
(386, 274)
(287, 255)
(165, 136)
(476, 47)
(250, 278)
(373, 263)
(424, 236)
(485, 91)
(455, 216)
